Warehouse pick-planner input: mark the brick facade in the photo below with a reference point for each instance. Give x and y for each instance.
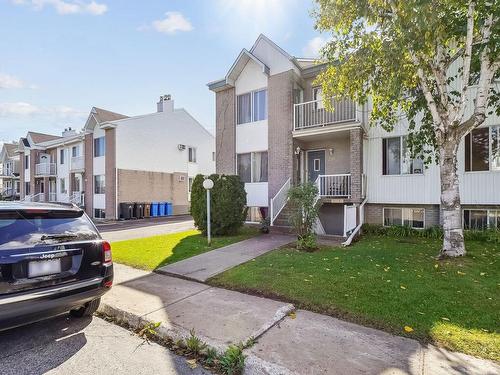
(374, 213)
(356, 162)
(280, 116)
(88, 181)
(225, 140)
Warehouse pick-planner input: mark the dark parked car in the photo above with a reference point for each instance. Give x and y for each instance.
(52, 260)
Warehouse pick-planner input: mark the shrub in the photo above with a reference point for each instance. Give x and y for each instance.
(304, 211)
(227, 202)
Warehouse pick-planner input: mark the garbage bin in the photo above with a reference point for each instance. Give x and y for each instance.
(170, 210)
(126, 210)
(154, 209)
(147, 209)
(139, 210)
(161, 209)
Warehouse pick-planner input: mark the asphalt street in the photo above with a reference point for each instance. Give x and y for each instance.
(65, 345)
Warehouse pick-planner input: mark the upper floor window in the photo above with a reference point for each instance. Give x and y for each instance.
(482, 149)
(62, 186)
(251, 107)
(61, 156)
(26, 161)
(99, 184)
(252, 167)
(318, 97)
(192, 154)
(396, 158)
(99, 147)
(74, 151)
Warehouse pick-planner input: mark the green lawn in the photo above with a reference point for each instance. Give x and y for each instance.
(152, 252)
(391, 284)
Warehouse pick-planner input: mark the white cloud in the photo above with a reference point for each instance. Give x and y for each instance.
(23, 109)
(172, 23)
(65, 7)
(314, 46)
(10, 82)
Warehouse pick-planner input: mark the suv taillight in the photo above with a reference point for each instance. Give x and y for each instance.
(106, 253)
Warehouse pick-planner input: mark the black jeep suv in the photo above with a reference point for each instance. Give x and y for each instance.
(52, 260)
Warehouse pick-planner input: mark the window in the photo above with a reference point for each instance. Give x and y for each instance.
(26, 188)
(74, 151)
(61, 156)
(26, 161)
(99, 213)
(396, 158)
(213, 156)
(317, 165)
(260, 105)
(192, 154)
(252, 167)
(318, 95)
(190, 184)
(482, 149)
(99, 184)
(481, 219)
(251, 106)
(62, 186)
(411, 217)
(99, 147)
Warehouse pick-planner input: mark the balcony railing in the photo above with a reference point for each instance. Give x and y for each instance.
(77, 163)
(45, 169)
(335, 185)
(313, 114)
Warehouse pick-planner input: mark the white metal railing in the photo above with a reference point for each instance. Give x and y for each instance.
(9, 192)
(40, 197)
(77, 198)
(334, 185)
(314, 114)
(278, 202)
(45, 169)
(52, 197)
(77, 163)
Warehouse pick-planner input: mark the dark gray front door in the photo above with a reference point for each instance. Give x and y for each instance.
(315, 164)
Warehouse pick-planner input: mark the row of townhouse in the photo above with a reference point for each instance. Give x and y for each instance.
(115, 159)
(272, 129)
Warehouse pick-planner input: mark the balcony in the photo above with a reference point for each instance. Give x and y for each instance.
(334, 186)
(45, 169)
(313, 114)
(77, 163)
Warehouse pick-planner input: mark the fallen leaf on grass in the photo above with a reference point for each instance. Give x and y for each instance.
(436, 265)
(408, 329)
(461, 273)
(483, 273)
(446, 319)
(292, 315)
(402, 287)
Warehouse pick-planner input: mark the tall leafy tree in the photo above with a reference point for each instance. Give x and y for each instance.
(431, 62)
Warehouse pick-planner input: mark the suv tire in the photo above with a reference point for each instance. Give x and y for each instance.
(87, 310)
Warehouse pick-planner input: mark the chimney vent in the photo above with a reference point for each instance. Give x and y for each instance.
(166, 104)
(68, 132)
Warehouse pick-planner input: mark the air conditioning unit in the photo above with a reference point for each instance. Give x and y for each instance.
(181, 147)
(182, 178)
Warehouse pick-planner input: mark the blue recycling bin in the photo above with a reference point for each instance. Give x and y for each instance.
(154, 209)
(170, 209)
(161, 209)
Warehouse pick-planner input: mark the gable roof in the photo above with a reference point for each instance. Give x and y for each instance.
(244, 57)
(10, 149)
(41, 137)
(99, 116)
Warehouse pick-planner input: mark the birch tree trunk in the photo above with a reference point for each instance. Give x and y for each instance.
(453, 240)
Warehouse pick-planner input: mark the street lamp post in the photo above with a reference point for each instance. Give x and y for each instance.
(208, 184)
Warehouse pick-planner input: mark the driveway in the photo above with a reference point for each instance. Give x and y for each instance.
(66, 345)
(130, 229)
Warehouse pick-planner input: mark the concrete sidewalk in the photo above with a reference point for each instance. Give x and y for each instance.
(305, 344)
(202, 267)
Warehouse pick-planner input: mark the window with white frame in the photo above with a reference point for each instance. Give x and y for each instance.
(26, 161)
(397, 158)
(480, 219)
(74, 151)
(251, 106)
(61, 156)
(99, 147)
(99, 213)
(62, 186)
(99, 184)
(404, 216)
(252, 167)
(190, 184)
(482, 149)
(318, 97)
(192, 154)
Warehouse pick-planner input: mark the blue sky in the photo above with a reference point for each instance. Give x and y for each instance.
(58, 58)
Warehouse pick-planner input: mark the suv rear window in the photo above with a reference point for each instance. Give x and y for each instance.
(33, 227)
